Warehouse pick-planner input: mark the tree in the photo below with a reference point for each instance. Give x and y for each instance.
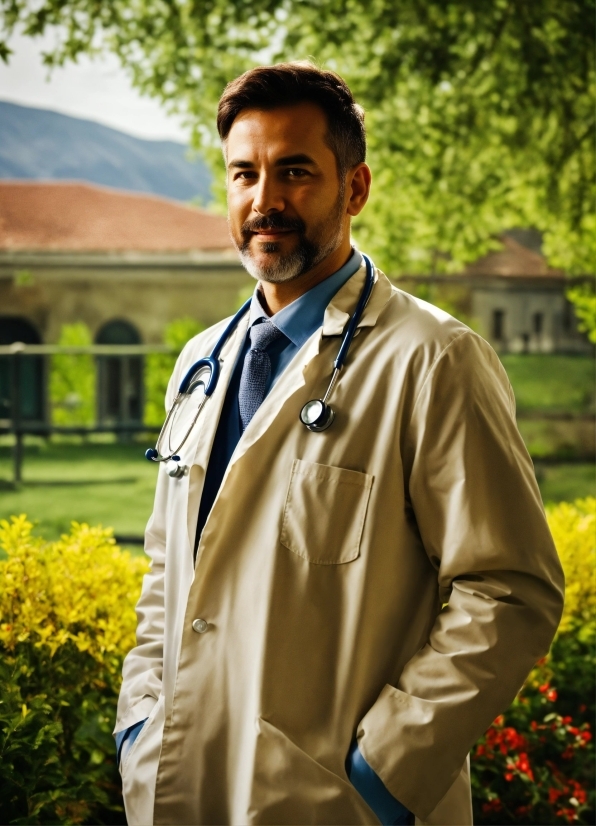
(480, 114)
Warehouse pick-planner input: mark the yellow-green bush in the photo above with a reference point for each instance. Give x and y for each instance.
(66, 621)
(573, 527)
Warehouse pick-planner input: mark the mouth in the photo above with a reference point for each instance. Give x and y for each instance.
(271, 234)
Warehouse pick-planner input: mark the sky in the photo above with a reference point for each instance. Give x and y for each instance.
(96, 90)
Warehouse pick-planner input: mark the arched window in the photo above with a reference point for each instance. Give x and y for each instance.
(24, 376)
(120, 378)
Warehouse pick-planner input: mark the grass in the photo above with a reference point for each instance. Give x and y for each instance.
(552, 384)
(112, 484)
(565, 482)
(107, 484)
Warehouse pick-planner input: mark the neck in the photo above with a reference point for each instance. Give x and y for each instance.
(278, 296)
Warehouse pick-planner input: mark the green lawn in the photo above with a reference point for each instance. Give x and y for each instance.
(552, 384)
(112, 484)
(107, 484)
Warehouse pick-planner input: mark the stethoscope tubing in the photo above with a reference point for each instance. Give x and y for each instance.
(212, 363)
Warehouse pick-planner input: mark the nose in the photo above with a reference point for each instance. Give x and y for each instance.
(268, 197)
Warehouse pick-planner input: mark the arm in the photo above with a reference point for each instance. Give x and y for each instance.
(143, 666)
(142, 669)
(474, 496)
(370, 787)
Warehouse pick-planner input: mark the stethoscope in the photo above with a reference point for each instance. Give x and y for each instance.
(316, 415)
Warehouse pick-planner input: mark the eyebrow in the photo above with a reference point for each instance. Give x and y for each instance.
(289, 160)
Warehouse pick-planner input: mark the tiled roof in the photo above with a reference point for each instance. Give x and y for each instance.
(513, 261)
(77, 217)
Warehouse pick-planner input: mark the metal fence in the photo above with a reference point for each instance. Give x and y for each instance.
(24, 406)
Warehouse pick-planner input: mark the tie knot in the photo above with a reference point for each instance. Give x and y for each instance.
(263, 334)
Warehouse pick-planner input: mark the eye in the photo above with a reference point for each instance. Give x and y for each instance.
(245, 175)
(296, 172)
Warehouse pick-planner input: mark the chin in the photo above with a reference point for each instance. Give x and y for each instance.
(273, 267)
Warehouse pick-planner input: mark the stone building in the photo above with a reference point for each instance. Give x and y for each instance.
(127, 264)
(123, 263)
(512, 297)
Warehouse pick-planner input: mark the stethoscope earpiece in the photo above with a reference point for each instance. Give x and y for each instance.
(317, 415)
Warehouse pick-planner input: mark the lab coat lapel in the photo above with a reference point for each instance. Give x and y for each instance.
(201, 442)
(293, 378)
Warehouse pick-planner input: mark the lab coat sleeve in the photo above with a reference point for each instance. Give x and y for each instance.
(474, 496)
(143, 666)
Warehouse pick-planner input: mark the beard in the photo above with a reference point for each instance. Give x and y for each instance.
(307, 253)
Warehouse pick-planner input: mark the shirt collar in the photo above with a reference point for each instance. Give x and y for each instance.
(299, 320)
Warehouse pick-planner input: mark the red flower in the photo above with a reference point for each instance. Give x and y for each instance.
(567, 720)
(585, 736)
(494, 805)
(573, 730)
(554, 795)
(523, 765)
(509, 776)
(552, 695)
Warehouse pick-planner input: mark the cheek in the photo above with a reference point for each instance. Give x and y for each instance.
(238, 207)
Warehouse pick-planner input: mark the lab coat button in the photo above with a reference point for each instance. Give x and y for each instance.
(200, 626)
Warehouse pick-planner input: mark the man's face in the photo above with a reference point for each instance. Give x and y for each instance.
(286, 204)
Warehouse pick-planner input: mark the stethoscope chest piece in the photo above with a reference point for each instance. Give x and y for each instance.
(174, 469)
(317, 415)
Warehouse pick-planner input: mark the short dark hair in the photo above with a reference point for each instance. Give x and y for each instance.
(286, 84)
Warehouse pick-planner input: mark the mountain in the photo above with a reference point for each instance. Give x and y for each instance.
(42, 145)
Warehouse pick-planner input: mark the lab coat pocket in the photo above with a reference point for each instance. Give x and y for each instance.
(290, 786)
(324, 512)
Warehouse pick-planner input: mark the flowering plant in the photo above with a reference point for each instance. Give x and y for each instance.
(535, 764)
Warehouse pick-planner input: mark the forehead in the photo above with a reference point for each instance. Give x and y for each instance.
(286, 130)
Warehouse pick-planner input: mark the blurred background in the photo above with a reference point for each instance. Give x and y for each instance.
(112, 228)
(114, 248)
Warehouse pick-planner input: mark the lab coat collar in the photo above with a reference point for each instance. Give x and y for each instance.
(342, 305)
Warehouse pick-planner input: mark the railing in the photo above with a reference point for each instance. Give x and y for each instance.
(20, 427)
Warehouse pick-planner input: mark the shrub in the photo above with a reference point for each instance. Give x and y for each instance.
(535, 764)
(72, 379)
(66, 621)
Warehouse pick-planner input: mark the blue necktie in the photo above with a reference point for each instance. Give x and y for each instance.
(256, 371)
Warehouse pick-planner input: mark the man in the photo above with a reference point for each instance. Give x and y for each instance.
(361, 602)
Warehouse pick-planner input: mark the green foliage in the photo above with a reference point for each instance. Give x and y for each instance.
(584, 300)
(159, 367)
(480, 114)
(72, 379)
(66, 621)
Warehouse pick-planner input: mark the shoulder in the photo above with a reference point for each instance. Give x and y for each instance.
(438, 347)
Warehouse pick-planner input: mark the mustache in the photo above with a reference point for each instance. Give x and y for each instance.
(276, 221)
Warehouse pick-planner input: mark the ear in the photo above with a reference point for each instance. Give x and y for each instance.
(358, 187)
